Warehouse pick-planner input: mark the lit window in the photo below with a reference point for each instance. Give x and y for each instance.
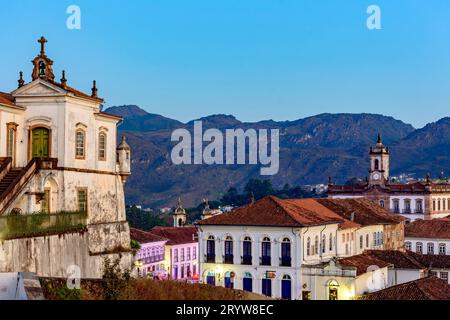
(80, 138)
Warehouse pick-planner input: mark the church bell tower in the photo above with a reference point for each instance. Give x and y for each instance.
(179, 215)
(43, 66)
(379, 163)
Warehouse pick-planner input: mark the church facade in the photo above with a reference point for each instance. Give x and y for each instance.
(58, 154)
(426, 199)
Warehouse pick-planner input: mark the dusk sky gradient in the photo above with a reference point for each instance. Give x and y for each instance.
(255, 59)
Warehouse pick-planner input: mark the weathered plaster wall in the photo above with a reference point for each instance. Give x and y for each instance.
(50, 256)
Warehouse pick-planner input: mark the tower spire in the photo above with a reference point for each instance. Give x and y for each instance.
(94, 89)
(63, 79)
(379, 139)
(21, 81)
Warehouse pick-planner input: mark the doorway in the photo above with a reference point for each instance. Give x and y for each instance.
(40, 142)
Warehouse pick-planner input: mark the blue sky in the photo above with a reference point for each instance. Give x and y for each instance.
(255, 59)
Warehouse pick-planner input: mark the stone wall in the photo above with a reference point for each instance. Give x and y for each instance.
(50, 256)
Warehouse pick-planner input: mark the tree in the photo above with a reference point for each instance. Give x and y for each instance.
(115, 281)
(259, 188)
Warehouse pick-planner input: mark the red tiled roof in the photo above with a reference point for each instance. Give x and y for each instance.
(271, 211)
(142, 236)
(76, 92)
(436, 229)
(365, 212)
(432, 261)
(429, 288)
(177, 235)
(7, 99)
(399, 259)
(362, 262)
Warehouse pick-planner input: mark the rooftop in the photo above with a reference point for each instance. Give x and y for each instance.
(177, 236)
(143, 237)
(363, 211)
(362, 262)
(429, 288)
(272, 211)
(411, 260)
(436, 229)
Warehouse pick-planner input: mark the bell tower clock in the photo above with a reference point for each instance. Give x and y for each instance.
(379, 163)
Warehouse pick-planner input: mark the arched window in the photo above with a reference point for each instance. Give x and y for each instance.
(247, 251)
(228, 250)
(361, 241)
(102, 146)
(316, 245)
(211, 250)
(324, 243)
(408, 245)
(419, 248)
(331, 242)
(430, 248)
(308, 246)
(265, 252)
(382, 203)
(442, 248)
(286, 252)
(80, 144)
(377, 165)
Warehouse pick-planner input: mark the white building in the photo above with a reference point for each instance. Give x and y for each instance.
(265, 246)
(426, 199)
(428, 236)
(59, 155)
(181, 252)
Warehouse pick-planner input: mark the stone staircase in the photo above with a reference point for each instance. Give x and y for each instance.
(9, 178)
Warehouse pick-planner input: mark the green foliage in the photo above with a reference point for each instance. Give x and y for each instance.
(143, 220)
(115, 281)
(37, 224)
(59, 291)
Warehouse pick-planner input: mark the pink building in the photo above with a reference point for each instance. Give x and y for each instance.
(181, 251)
(150, 258)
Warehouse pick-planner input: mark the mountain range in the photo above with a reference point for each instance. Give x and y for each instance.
(311, 150)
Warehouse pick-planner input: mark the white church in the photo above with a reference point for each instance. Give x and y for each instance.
(59, 155)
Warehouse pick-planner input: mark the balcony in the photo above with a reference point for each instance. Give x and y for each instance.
(407, 211)
(246, 260)
(210, 258)
(41, 224)
(265, 261)
(153, 259)
(285, 262)
(228, 259)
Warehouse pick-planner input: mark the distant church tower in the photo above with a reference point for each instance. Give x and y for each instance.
(379, 163)
(207, 212)
(179, 215)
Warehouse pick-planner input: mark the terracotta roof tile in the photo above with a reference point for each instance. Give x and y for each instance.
(271, 211)
(365, 212)
(7, 99)
(362, 262)
(142, 236)
(177, 235)
(436, 228)
(399, 259)
(432, 261)
(76, 92)
(429, 288)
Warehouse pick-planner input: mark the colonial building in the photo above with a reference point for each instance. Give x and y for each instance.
(151, 256)
(421, 199)
(181, 253)
(428, 236)
(59, 156)
(278, 247)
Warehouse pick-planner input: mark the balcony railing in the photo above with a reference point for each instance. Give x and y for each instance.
(265, 261)
(41, 224)
(228, 259)
(246, 260)
(153, 259)
(210, 258)
(285, 261)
